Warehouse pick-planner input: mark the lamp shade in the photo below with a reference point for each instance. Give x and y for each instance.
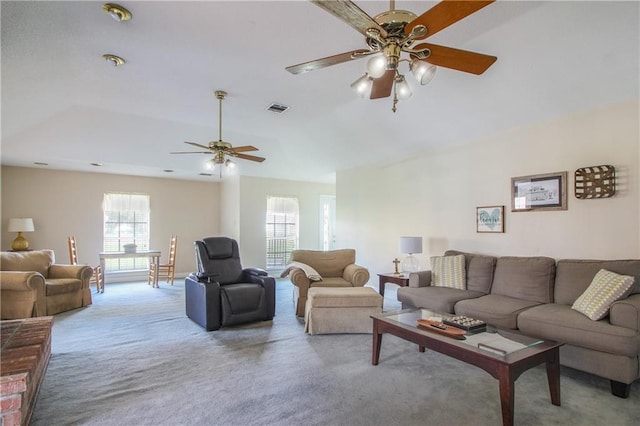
(21, 224)
(410, 245)
(362, 86)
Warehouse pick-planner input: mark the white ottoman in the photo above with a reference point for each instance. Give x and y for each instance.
(341, 309)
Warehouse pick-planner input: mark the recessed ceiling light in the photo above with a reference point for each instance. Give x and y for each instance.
(96, 164)
(40, 163)
(277, 108)
(114, 60)
(117, 12)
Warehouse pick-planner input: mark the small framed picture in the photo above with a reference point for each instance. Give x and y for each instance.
(490, 219)
(539, 192)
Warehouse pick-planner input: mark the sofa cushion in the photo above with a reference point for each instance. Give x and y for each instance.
(480, 269)
(437, 299)
(606, 288)
(331, 282)
(34, 260)
(494, 309)
(62, 285)
(563, 324)
(528, 278)
(574, 276)
(448, 271)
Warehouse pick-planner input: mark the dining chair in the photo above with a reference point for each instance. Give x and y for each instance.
(165, 270)
(98, 274)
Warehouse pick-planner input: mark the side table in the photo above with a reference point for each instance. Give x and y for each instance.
(402, 280)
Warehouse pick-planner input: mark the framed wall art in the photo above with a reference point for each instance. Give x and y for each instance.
(539, 192)
(490, 219)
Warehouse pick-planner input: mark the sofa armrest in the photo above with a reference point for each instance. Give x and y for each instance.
(626, 312)
(71, 271)
(22, 294)
(269, 285)
(299, 279)
(420, 279)
(256, 272)
(21, 281)
(357, 275)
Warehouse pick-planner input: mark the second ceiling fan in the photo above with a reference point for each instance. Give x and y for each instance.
(391, 33)
(221, 149)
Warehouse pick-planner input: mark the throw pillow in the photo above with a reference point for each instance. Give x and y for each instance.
(449, 271)
(605, 288)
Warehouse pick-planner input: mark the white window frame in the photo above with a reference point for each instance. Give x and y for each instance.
(282, 230)
(126, 221)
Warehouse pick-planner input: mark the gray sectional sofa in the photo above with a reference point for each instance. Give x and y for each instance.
(534, 295)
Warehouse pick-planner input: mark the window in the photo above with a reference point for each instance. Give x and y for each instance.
(126, 221)
(282, 230)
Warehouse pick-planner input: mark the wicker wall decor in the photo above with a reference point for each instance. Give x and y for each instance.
(595, 182)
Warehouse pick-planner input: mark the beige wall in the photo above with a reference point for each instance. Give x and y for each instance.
(70, 203)
(253, 209)
(63, 203)
(435, 195)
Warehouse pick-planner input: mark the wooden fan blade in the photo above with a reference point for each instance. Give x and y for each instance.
(351, 14)
(382, 86)
(243, 148)
(191, 152)
(249, 157)
(326, 62)
(445, 13)
(461, 60)
(198, 145)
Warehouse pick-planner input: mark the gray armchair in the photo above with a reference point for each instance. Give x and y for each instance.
(222, 292)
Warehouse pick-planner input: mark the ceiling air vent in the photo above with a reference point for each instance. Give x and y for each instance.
(277, 108)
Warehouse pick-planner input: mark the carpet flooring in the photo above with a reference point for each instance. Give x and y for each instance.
(134, 358)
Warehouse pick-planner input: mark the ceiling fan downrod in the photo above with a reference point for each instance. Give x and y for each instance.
(220, 95)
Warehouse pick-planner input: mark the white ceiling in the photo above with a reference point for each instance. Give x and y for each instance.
(64, 105)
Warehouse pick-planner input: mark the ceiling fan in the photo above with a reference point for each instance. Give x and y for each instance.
(391, 33)
(221, 149)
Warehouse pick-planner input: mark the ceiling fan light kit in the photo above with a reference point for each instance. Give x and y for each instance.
(390, 34)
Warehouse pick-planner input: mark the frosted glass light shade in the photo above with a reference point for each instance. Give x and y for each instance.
(423, 71)
(377, 66)
(402, 88)
(362, 86)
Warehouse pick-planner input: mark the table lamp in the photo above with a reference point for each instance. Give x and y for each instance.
(410, 245)
(20, 225)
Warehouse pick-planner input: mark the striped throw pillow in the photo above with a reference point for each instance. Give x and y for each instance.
(448, 271)
(605, 288)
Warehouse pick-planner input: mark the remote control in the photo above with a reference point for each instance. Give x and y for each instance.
(440, 326)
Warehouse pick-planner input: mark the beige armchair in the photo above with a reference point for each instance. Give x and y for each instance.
(31, 285)
(337, 268)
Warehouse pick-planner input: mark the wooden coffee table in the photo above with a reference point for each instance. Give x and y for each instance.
(505, 368)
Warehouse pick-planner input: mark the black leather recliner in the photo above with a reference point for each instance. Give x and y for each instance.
(222, 293)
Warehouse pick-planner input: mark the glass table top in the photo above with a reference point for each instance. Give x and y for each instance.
(493, 340)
